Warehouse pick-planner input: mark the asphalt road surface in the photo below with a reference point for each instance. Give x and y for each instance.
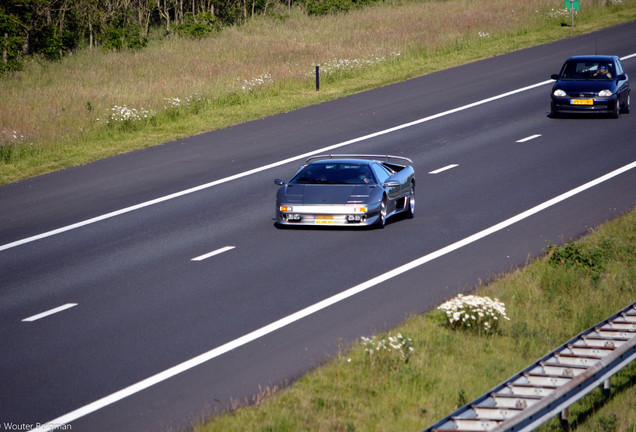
(144, 291)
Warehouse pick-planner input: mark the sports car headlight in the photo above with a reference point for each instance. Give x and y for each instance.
(286, 208)
(605, 93)
(559, 93)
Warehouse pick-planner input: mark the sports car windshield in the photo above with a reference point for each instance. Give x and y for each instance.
(585, 70)
(334, 173)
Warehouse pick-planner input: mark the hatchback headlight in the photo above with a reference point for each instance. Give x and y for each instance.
(605, 93)
(559, 93)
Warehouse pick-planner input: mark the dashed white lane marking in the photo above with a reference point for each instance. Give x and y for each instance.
(276, 164)
(310, 310)
(267, 167)
(531, 137)
(211, 254)
(446, 168)
(49, 312)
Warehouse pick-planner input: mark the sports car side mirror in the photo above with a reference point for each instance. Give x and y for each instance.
(554, 76)
(279, 181)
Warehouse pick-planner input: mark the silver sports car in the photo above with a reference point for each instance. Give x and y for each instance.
(347, 190)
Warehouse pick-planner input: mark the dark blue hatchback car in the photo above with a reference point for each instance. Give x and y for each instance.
(595, 84)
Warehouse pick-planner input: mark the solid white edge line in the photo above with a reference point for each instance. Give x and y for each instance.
(270, 328)
(49, 312)
(446, 168)
(262, 168)
(531, 137)
(211, 254)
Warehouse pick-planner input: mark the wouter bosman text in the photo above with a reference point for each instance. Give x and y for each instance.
(8, 426)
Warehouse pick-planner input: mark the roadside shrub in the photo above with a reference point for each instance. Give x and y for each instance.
(324, 7)
(608, 423)
(123, 35)
(474, 313)
(127, 118)
(194, 104)
(387, 351)
(572, 254)
(198, 26)
(10, 43)
(592, 260)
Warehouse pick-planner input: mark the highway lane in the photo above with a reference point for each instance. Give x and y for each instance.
(144, 306)
(51, 201)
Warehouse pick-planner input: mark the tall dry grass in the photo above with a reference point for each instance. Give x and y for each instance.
(96, 104)
(49, 102)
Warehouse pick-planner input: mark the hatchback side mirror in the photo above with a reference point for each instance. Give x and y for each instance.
(554, 76)
(279, 181)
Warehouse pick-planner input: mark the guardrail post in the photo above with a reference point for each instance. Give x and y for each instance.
(565, 424)
(607, 388)
(317, 77)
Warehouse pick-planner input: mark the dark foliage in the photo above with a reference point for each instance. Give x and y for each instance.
(50, 29)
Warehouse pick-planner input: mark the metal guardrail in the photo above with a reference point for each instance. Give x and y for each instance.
(553, 383)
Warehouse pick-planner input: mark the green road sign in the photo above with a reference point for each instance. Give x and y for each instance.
(572, 4)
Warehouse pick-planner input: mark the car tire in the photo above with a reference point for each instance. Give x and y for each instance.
(382, 218)
(554, 113)
(410, 205)
(627, 105)
(616, 111)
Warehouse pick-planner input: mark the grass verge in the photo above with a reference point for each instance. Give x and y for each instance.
(548, 301)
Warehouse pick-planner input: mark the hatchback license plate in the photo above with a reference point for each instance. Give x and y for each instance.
(582, 102)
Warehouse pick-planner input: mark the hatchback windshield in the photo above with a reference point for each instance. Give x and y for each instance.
(334, 173)
(581, 69)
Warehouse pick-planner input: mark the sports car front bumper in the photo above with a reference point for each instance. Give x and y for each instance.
(330, 215)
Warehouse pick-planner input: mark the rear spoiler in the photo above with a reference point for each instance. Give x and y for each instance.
(386, 158)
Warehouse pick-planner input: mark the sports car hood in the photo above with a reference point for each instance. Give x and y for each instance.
(324, 194)
(585, 86)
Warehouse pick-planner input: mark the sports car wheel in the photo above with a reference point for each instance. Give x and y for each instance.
(382, 218)
(410, 206)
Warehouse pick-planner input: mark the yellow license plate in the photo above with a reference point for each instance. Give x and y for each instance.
(582, 102)
(324, 219)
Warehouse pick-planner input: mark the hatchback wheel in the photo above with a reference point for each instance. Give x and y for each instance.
(554, 113)
(616, 111)
(626, 106)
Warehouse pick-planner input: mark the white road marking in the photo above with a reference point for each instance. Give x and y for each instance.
(531, 137)
(211, 254)
(264, 168)
(49, 312)
(283, 322)
(446, 168)
(275, 164)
